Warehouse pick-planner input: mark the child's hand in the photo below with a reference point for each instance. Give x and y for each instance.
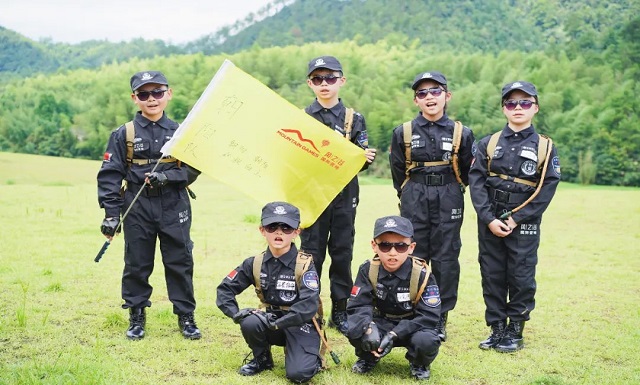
(370, 154)
(499, 228)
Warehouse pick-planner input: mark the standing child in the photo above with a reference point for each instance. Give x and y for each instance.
(335, 227)
(430, 160)
(511, 187)
(394, 302)
(287, 283)
(162, 211)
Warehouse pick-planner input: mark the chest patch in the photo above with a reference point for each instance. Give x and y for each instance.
(528, 167)
(285, 285)
(288, 296)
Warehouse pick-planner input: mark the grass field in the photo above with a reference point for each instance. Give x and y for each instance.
(61, 321)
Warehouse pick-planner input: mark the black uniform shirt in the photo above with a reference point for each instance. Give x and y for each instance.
(430, 142)
(515, 155)
(391, 296)
(277, 280)
(149, 139)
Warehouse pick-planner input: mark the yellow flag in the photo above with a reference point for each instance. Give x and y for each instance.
(250, 138)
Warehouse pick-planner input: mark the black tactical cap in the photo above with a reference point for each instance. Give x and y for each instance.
(280, 212)
(521, 85)
(328, 62)
(142, 78)
(393, 224)
(429, 75)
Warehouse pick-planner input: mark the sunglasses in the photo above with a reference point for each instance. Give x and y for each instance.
(512, 104)
(400, 247)
(144, 95)
(282, 226)
(435, 91)
(330, 79)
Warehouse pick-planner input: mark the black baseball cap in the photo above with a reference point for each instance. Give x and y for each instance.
(280, 212)
(521, 85)
(393, 224)
(141, 78)
(328, 62)
(436, 76)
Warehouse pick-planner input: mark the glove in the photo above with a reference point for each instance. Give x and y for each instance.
(269, 319)
(242, 314)
(156, 179)
(371, 338)
(109, 226)
(387, 343)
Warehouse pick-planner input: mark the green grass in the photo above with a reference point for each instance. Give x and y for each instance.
(61, 321)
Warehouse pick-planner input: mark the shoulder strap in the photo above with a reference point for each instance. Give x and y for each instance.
(543, 144)
(257, 266)
(416, 269)
(491, 148)
(457, 138)
(303, 261)
(406, 137)
(374, 268)
(348, 122)
(130, 135)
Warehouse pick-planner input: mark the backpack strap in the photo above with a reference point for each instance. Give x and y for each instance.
(416, 269)
(543, 146)
(406, 137)
(257, 267)
(491, 148)
(130, 133)
(374, 269)
(455, 161)
(348, 122)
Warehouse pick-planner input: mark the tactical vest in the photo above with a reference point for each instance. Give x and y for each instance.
(410, 165)
(543, 148)
(130, 135)
(417, 265)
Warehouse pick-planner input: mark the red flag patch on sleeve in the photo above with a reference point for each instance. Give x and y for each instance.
(355, 291)
(107, 157)
(232, 275)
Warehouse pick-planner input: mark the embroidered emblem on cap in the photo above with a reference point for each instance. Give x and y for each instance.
(427, 75)
(146, 76)
(516, 84)
(390, 223)
(320, 62)
(279, 210)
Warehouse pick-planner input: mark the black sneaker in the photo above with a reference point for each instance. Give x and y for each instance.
(137, 322)
(420, 372)
(363, 366)
(257, 365)
(187, 325)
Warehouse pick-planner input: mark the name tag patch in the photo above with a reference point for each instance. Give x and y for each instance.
(403, 297)
(285, 285)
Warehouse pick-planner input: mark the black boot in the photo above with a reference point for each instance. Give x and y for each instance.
(441, 327)
(363, 366)
(338, 317)
(420, 372)
(137, 322)
(187, 325)
(497, 332)
(258, 364)
(512, 340)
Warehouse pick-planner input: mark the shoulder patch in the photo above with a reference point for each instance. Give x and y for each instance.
(107, 157)
(431, 296)
(555, 163)
(232, 275)
(355, 291)
(310, 280)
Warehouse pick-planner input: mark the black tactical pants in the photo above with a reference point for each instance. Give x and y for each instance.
(508, 269)
(164, 214)
(436, 213)
(301, 346)
(334, 230)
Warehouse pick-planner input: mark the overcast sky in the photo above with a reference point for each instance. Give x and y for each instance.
(73, 21)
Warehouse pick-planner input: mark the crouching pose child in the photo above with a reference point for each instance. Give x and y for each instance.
(395, 301)
(287, 284)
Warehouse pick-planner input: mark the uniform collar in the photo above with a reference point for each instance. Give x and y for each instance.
(443, 121)
(508, 132)
(317, 107)
(287, 259)
(404, 272)
(163, 122)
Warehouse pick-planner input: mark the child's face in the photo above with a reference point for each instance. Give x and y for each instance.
(277, 238)
(324, 90)
(153, 107)
(392, 259)
(432, 106)
(519, 117)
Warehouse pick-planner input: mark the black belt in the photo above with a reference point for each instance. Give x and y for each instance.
(508, 197)
(433, 179)
(147, 191)
(378, 313)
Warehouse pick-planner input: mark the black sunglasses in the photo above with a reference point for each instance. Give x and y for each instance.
(435, 91)
(400, 247)
(144, 95)
(282, 226)
(330, 79)
(512, 104)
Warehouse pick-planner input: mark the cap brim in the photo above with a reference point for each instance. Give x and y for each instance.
(400, 232)
(280, 219)
(326, 68)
